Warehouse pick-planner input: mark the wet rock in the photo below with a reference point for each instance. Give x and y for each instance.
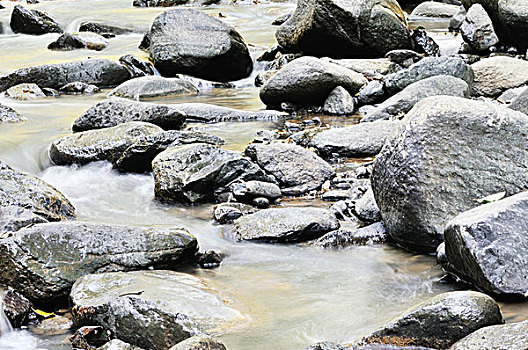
(486, 156)
(81, 40)
(405, 100)
(339, 102)
(88, 338)
(497, 74)
(203, 112)
(366, 208)
(103, 29)
(153, 86)
(512, 336)
(372, 234)
(456, 21)
(247, 191)
(263, 77)
(365, 28)
(226, 213)
(486, 246)
(293, 166)
(371, 93)
(117, 111)
(435, 9)
(358, 140)
(477, 29)
(116, 344)
(101, 144)
(404, 58)
(136, 66)
(43, 261)
(199, 342)
(307, 81)
(336, 195)
(159, 3)
(17, 308)
(426, 68)
(56, 325)
(32, 22)
(520, 103)
(13, 218)
(20, 189)
(440, 321)
(424, 43)
(193, 173)
(78, 88)
(325, 346)
(209, 259)
(510, 95)
(8, 115)
(97, 71)
(25, 92)
(281, 19)
(372, 68)
(138, 157)
(191, 42)
(285, 225)
(174, 307)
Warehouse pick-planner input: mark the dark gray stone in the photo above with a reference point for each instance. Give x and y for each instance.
(208, 113)
(136, 66)
(247, 191)
(103, 29)
(372, 234)
(159, 3)
(404, 58)
(457, 20)
(78, 88)
(226, 213)
(32, 22)
(497, 74)
(477, 29)
(339, 102)
(153, 86)
(371, 93)
(512, 336)
(17, 308)
(80, 40)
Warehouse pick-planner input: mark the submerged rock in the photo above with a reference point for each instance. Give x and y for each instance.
(153, 86)
(495, 75)
(32, 22)
(372, 234)
(43, 261)
(25, 92)
(78, 88)
(80, 40)
(203, 112)
(512, 336)
(159, 3)
(103, 29)
(8, 115)
(174, 307)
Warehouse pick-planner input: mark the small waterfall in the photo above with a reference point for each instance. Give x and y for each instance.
(5, 325)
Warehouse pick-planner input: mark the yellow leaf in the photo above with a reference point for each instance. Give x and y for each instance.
(44, 314)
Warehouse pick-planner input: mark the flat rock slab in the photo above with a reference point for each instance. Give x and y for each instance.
(208, 113)
(344, 237)
(512, 336)
(495, 75)
(153, 87)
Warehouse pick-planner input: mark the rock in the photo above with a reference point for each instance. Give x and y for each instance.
(43, 261)
(174, 307)
(159, 3)
(520, 103)
(429, 67)
(103, 29)
(339, 102)
(405, 100)
(424, 43)
(372, 234)
(366, 208)
(25, 92)
(247, 191)
(23, 190)
(292, 165)
(512, 336)
(199, 342)
(117, 111)
(440, 321)
(456, 21)
(404, 58)
(101, 144)
(9, 115)
(496, 74)
(209, 259)
(90, 337)
(136, 66)
(336, 195)
(17, 308)
(138, 157)
(435, 9)
(191, 42)
(510, 95)
(364, 139)
(263, 77)
(193, 173)
(307, 81)
(203, 112)
(226, 213)
(281, 19)
(373, 68)
(56, 325)
(97, 71)
(486, 156)
(78, 88)
(477, 29)
(116, 344)
(291, 224)
(144, 45)
(13, 218)
(364, 28)
(325, 346)
(81, 40)
(32, 22)
(153, 86)
(373, 92)
(485, 246)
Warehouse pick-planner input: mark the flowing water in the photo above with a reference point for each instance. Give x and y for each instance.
(291, 296)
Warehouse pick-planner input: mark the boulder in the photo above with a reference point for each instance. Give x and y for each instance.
(226, 213)
(17, 308)
(197, 172)
(192, 42)
(152, 87)
(248, 191)
(477, 29)
(487, 246)
(199, 342)
(435, 9)
(136, 66)
(512, 336)
(307, 81)
(429, 67)
(339, 102)
(43, 261)
(456, 21)
(78, 88)
(520, 103)
(363, 28)
(372, 68)
(366, 208)
(26, 91)
(360, 140)
(32, 22)
(496, 74)
(97, 71)
(295, 168)
(138, 157)
(404, 101)
(285, 225)
(486, 155)
(404, 58)
(103, 29)
(439, 322)
(117, 111)
(100, 144)
(9, 115)
(116, 344)
(208, 113)
(373, 92)
(159, 3)
(13, 218)
(174, 307)
(368, 235)
(80, 40)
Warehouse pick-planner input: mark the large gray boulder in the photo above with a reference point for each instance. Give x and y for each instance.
(196, 172)
(100, 144)
(116, 111)
(174, 307)
(285, 225)
(96, 71)
(512, 336)
(199, 342)
(208, 113)
(441, 321)
(404, 100)
(307, 81)
(8, 115)
(192, 42)
(487, 246)
(154, 86)
(295, 168)
(14, 218)
(477, 29)
(43, 261)
(435, 9)
(497, 74)
(32, 22)
(447, 153)
(520, 103)
(336, 28)
(429, 67)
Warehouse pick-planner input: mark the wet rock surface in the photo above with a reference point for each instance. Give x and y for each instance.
(25, 92)
(435, 10)
(511, 336)
(32, 22)
(226, 213)
(152, 87)
(8, 115)
(477, 29)
(81, 40)
(209, 113)
(198, 342)
(17, 308)
(344, 237)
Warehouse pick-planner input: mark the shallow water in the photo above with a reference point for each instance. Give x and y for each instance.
(291, 296)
